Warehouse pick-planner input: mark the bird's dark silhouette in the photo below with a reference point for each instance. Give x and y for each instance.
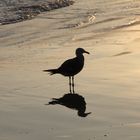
(73, 101)
(71, 67)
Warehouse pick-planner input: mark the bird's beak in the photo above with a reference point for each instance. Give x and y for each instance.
(86, 52)
(83, 114)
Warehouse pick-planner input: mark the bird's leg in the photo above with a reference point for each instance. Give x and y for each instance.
(70, 83)
(73, 84)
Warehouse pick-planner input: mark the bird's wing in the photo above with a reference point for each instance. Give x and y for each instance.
(70, 66)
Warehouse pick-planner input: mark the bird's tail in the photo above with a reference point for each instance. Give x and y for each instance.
(51, 71)
(53, 102)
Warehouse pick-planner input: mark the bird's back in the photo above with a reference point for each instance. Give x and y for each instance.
(71, 67)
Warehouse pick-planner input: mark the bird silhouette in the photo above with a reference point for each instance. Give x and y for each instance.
(72, 101)
(71, 67)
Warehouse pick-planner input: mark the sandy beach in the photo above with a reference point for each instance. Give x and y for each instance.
(109, 81)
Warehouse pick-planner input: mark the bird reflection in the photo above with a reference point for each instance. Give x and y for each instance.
(73, 101)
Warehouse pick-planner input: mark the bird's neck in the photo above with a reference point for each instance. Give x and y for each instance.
(80, 56)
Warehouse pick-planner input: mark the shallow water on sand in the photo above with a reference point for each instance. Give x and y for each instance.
(109, 82)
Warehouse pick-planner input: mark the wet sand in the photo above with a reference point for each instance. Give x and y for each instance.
(109, 83)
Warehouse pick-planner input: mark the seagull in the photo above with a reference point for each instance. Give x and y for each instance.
(70, 67)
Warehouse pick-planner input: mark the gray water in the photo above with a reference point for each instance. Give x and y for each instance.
(21, 10)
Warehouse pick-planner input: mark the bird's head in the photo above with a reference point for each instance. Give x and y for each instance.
(80, 51)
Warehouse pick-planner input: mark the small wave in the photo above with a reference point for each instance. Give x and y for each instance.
(109, 20)
(89, 20)
(131, 23)
(122, 53)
